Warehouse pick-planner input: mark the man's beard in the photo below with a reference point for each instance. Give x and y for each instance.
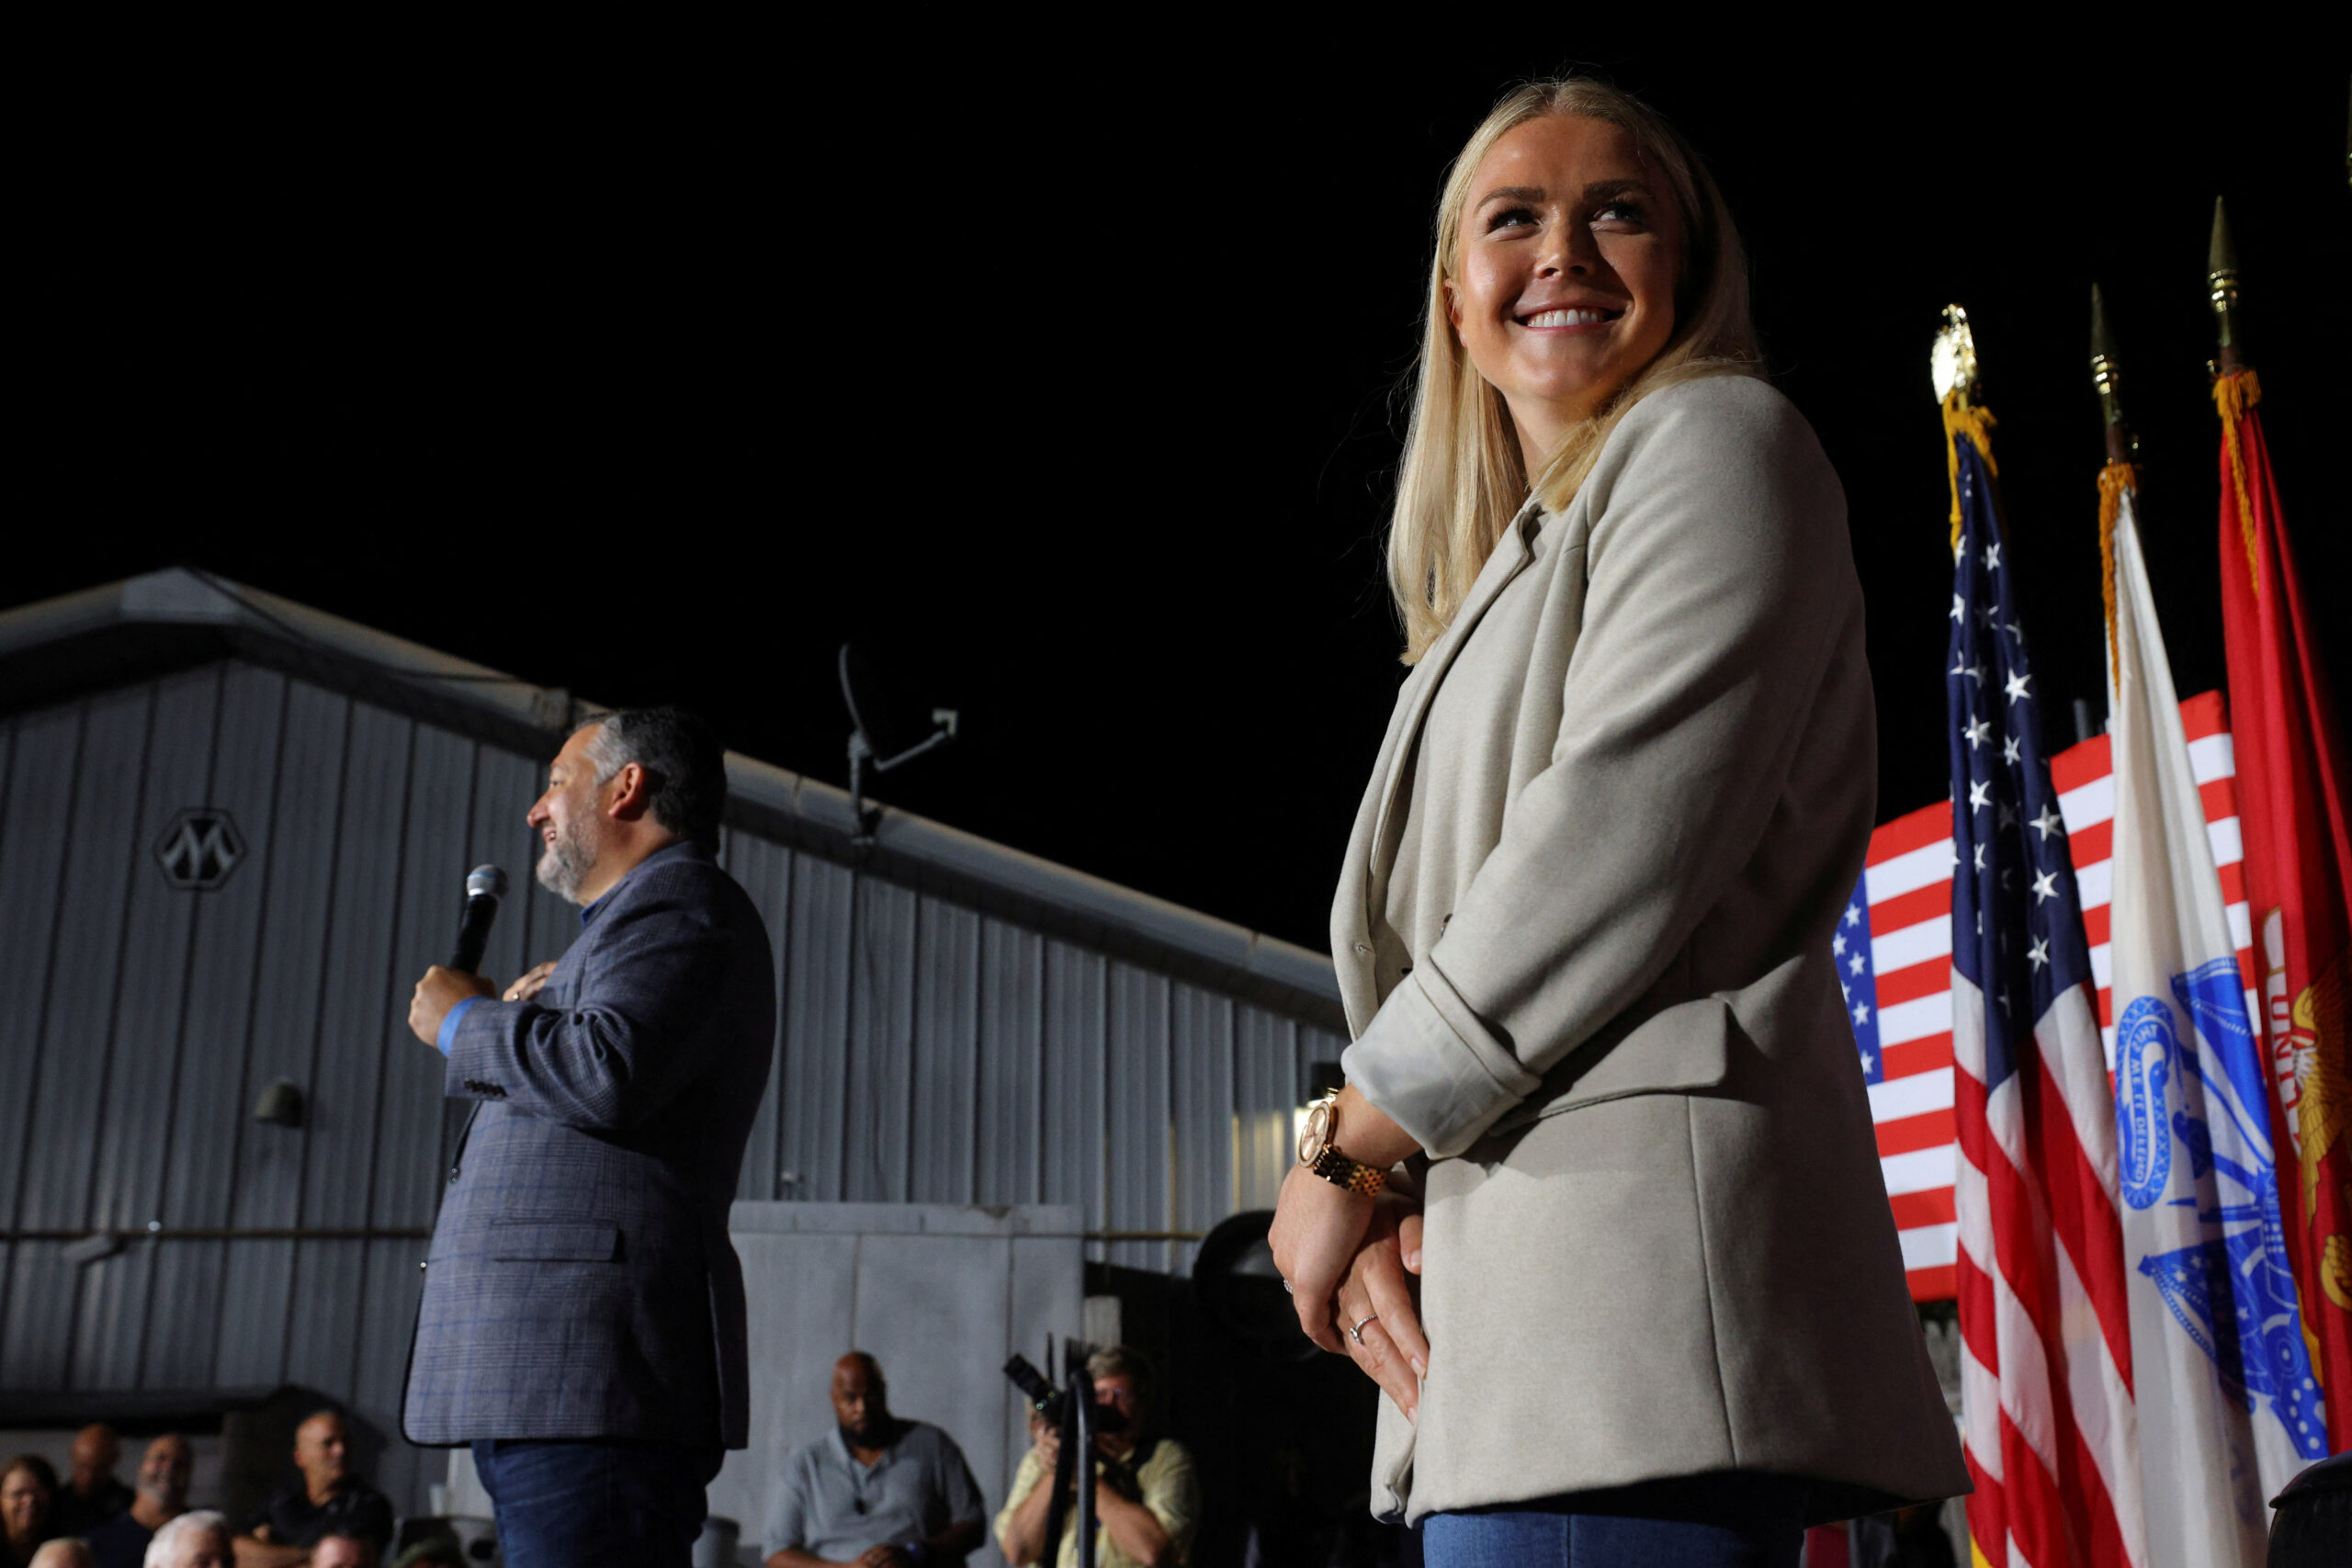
(875, 1434)
(567, 862)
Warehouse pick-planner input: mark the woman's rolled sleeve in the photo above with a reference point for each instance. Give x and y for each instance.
(1443, 1082)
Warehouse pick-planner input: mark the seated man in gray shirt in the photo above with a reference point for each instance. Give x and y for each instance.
(876, 1491)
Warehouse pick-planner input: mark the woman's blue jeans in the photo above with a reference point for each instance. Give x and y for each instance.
(1733, 1520)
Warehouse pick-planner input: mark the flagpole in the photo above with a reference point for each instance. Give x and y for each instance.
(2222, 1381)
(2047, 1419)
(2295, 779)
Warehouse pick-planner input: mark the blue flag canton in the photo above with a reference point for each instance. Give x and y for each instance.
(2016, 918)
(1858, 977)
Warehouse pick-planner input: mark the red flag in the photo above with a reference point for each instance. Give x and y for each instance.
(2291, 780)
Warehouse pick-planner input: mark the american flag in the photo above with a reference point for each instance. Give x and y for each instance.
(2046, 1417)
(1894, 953)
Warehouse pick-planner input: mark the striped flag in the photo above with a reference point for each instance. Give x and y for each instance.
(2230, 1410)
(1900, 917)
(2047, 1416)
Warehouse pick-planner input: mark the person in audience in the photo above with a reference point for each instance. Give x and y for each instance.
(326, 1500)
(878, 1490)
(338, 1548)
(66, 1551)
(1147, 1495)
(92, 1495)
(28, 1491)
(199, 1540)
(122, 1540)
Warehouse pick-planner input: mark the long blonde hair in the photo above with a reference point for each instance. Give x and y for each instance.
(1463, 477)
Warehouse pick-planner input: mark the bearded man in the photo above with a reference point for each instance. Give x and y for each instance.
(583, 1322)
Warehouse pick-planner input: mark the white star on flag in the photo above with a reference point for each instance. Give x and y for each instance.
(1838, 944)
(2016, 687)
(1959, 607)
(2009, 750)
(1861, 1012)
(2038, 954)
(1980, 796)
(1992, 557)
(2045, 886)
(1853, 914)
(1855, 963)
(1979, 732)
(2048, 820)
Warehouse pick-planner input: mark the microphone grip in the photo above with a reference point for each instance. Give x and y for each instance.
(473, 933)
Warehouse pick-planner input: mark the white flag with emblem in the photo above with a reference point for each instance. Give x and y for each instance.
(2229, 1410)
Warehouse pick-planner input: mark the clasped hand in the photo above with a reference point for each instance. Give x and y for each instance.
(1351, 1263)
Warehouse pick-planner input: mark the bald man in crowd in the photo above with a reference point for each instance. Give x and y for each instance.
(122, 1540)
(326, 1499)
(93, 1494)
(337, 1549)
(65, 1551)
(878, 1491)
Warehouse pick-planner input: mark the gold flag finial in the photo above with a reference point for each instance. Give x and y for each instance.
(2221, 281)
(2108, 379)
(1953, 362)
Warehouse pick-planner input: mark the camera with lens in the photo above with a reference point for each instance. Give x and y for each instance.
(1052, 1403)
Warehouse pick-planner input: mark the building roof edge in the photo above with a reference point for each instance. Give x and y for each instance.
(191, 600)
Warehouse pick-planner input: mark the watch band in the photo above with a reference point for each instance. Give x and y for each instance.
(1354, 1175)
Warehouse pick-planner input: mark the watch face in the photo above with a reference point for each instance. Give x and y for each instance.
(1315, 1137)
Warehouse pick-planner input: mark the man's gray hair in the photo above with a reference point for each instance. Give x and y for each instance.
(1118, 1361)
(686, 768)
(177, 1542)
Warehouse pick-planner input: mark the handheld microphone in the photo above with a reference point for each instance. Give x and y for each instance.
(484, 887)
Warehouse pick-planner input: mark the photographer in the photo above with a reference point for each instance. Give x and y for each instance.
(1146, 1494)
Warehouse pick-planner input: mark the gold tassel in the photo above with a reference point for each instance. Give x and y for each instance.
(1962, 419)
(2113, 480)
(2233, 394)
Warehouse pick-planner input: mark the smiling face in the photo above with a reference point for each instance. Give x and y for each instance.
(570, 816)
(1562, 283)
(24, 1502)
(163, 1471)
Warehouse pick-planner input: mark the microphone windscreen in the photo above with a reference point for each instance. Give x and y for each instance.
(486, 882)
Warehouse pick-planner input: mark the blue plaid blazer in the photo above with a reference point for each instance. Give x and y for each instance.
(581, 1282)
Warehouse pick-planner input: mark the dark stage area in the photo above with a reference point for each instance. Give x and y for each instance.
(1067, 384)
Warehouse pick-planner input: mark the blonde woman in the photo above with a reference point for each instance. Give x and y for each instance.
(1584, 931)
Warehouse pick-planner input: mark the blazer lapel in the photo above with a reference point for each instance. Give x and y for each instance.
(1511, 555)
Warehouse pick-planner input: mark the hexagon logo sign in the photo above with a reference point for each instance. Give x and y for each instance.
(200, 849)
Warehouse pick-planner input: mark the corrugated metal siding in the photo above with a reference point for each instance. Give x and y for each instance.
(925, 1051)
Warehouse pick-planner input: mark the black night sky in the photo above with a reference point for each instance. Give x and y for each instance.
(1066, 385)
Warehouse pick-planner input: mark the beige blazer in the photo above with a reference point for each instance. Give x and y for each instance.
(1657, 1242)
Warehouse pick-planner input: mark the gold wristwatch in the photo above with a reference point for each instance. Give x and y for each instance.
(1316, 1153)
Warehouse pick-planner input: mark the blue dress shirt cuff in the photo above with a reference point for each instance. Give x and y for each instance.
(1445, 1088)
(448, 1035)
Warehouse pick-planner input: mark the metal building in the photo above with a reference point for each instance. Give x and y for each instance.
(233, 829)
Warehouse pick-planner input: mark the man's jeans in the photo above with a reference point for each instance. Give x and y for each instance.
(595, 1505)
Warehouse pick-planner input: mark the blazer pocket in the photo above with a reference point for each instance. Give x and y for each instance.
(1675, 1050)
(554, 1241)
